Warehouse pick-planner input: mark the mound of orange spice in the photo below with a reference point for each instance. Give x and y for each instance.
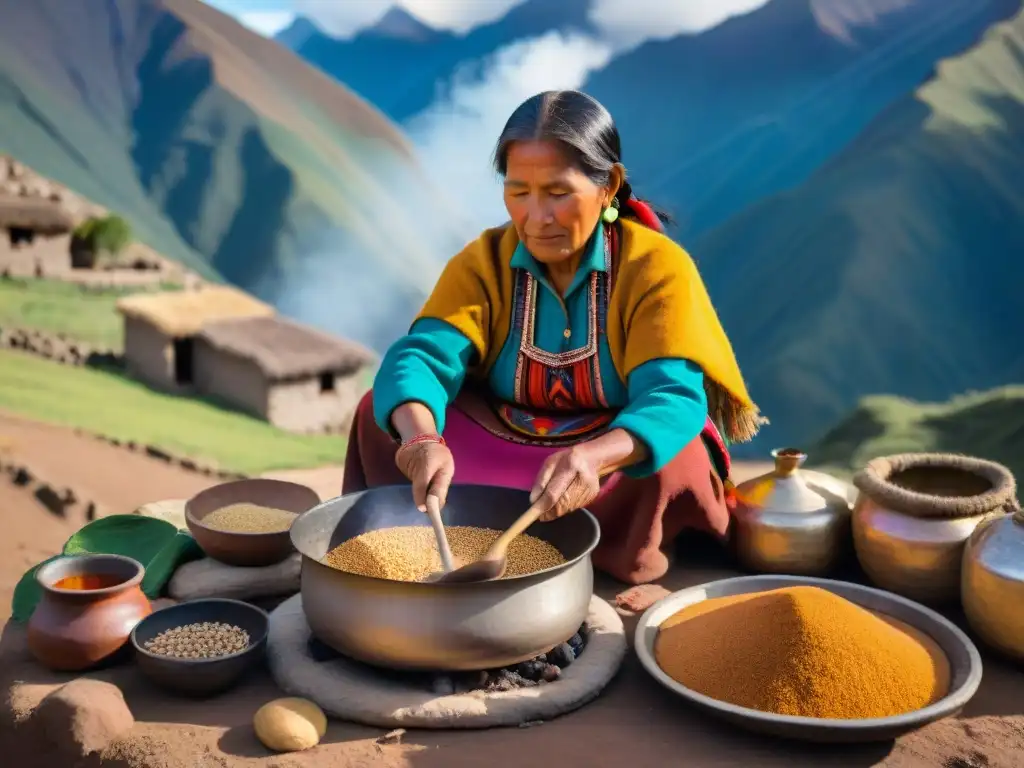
(801, 651)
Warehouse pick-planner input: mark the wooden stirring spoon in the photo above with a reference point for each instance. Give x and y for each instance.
(494, 562)
(434, 513)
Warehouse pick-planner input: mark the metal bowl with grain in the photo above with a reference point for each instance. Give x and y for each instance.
(964, 660)
(422, 625)
(242, 548)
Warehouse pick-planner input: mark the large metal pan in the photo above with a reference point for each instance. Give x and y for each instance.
(964, 661)
(405, 625)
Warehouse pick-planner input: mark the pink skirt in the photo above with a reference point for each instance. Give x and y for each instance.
(639, 517)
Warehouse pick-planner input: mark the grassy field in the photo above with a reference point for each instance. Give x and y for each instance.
(989, 425)
(58, 307)
(114, 406)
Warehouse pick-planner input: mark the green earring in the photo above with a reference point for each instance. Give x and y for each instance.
(610, 214)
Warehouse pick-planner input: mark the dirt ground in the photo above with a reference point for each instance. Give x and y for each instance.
(120, 481)
(634, 723)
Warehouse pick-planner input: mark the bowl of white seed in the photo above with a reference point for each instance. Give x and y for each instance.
(201, 648)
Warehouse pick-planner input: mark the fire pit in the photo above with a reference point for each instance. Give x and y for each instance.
(577, 671)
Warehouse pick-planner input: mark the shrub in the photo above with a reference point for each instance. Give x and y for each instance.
(110, 234)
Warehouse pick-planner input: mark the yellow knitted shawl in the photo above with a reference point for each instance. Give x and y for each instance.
(659, 308)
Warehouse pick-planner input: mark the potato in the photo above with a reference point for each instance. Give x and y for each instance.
(289, 725)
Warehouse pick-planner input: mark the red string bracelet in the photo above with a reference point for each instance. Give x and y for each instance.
(426, 437)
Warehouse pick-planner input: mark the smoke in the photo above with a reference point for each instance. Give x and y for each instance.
(455, 137)
(628, 24)
(367, 279)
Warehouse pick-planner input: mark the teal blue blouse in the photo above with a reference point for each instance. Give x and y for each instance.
(662, 404)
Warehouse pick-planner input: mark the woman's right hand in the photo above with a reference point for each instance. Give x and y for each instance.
(430, 467)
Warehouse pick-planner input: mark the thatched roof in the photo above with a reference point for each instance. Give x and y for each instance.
(283, 349)
(184, 313)
(41, 216)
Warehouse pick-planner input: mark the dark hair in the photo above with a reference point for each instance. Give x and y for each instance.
(584, 127)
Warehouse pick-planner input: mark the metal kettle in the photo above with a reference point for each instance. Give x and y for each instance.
(790, 520)
(992, 583)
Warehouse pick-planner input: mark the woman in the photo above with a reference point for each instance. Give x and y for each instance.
(573, 352)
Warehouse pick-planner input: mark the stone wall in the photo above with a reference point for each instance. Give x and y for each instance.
(69, 504)
(58, 500)
(58, 348)
(155, 452)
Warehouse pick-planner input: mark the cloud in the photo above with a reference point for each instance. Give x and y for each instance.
(266, 23)
(627, 23)
(343, 18)
(455, 137)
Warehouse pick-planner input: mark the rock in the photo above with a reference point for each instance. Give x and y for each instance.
(442, 685)
(209, 578)
(156, 452)
(531, 670)
(289, 725)
(82, 717)
(551, 673)
(562, 655)
(169, 510)
(577, 643)
(392, 737)
(49, 498)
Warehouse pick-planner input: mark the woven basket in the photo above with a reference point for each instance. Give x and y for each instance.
(938, 485)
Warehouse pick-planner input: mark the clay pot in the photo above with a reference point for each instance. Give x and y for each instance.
(76, 628)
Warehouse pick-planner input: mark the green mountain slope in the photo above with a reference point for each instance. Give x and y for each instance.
(896, 268)
(224, 150)
(989, 425)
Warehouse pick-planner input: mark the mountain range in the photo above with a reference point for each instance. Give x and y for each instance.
(895, 268)
(710, 122)
(401, 65)
(227, 153)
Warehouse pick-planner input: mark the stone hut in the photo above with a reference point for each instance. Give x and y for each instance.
(294, 376)
(160, 330)
(34, 232)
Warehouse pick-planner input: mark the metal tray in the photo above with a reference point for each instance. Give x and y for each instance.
(964, 661)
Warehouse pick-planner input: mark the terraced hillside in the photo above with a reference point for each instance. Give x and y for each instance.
(989, 425)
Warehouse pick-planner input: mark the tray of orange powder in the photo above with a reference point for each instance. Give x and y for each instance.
(810, 659)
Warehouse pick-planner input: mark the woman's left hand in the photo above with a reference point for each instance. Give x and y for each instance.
(569, 480)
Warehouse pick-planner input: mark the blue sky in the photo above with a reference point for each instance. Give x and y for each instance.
(264, 16)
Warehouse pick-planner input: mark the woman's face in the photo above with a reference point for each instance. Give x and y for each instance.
(553, 205)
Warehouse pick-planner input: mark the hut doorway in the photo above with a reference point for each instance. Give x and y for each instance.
(183, 360)
(21, 236)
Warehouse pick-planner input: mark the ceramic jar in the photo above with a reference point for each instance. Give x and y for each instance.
(790, 520)
(89, 606)
(992, 584)
(914, 514)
